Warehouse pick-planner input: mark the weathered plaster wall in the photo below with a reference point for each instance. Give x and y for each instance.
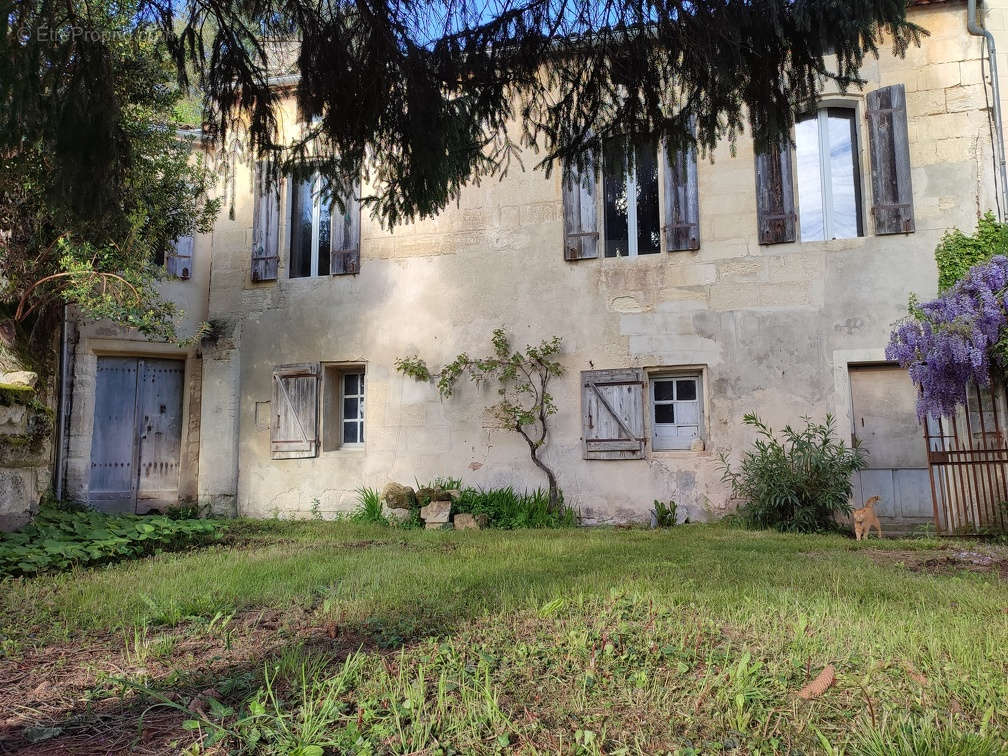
(771, 327)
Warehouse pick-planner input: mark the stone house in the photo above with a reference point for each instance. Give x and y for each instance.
(686, 294)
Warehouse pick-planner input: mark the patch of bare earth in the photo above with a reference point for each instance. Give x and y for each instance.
(944, 560)
(68, 698)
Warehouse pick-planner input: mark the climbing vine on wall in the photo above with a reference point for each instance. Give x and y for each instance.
(957, 252)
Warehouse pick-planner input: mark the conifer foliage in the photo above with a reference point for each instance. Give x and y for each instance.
(428, 95)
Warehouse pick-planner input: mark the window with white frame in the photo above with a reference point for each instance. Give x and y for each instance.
(828, 174)
(310, 225)
(630, 196)
(675, 411)
(353, 408)
(343, 406)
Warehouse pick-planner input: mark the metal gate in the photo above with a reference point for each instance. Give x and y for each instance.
(968, 464)
(137, 434)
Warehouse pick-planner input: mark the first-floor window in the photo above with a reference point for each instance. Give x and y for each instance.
(630, 194)
(675, 411)
(828, 177)
(310, 226)
(343, 406)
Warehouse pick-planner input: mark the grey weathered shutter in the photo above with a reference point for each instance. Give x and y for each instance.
(580, 223)
(612, 414)
(344, 239)
(682, 199)
(265, 225)
(775, 204)
(889, 147)
(179, 259)
(294, 430)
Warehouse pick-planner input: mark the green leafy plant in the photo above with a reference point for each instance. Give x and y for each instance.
(957, 252)
(507, 509)
(523, 378)
(798, 483)
(59, 540)
(369, 507)
(664, 514)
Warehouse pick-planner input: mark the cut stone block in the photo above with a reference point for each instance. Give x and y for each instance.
(436, 512)
(467, 521)
(396, 514)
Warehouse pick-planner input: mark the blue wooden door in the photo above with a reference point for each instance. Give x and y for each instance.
(137, 432)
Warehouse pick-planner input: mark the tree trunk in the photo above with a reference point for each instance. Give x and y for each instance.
(554, 491)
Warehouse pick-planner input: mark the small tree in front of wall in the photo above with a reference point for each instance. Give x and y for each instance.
(523, 379)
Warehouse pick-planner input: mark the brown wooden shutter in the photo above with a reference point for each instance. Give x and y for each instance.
(580, 223)
(775, 203)
(179, 259)
(344, 239)
(682, 199)
(265, 225)
(294, 430)
(612, 414)
(889, 148)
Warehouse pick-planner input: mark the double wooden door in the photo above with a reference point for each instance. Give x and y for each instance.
(137, 434)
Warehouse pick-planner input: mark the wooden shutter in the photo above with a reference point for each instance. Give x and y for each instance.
(612, 414)
(775, 205)
(580, 223)
(294, 430)
(889, 147)
(265, 225)
(179, 259)
(344, 239)
(682, 199)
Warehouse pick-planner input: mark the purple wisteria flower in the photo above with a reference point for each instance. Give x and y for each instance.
(947, 344)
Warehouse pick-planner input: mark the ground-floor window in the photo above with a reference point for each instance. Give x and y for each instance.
(675, 411)
(343, 406)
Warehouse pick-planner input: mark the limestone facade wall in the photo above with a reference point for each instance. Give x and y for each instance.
(769, 328)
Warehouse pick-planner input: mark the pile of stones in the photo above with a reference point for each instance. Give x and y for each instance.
(435, 505)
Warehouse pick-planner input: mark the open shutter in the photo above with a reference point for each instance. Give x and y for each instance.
(265, 225)
(179, 260)
(612, 414)
(889, 146)
(294, 430)
(580, 223)
(775, 205)
(682, 199)
(344, 239)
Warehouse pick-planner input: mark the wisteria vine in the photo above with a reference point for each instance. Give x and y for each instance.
(956, 340)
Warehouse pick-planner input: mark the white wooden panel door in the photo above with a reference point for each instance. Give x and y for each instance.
(137, 434)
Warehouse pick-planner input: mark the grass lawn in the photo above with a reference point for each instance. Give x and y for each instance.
(310, 637)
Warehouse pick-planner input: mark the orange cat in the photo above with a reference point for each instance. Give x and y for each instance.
(865, 518)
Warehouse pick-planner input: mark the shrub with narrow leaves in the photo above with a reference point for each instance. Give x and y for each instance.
(799, 482)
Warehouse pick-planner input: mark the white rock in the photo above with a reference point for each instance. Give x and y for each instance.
(20, 378)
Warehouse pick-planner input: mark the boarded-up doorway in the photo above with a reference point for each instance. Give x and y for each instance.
(883, 402)
(137, 433)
